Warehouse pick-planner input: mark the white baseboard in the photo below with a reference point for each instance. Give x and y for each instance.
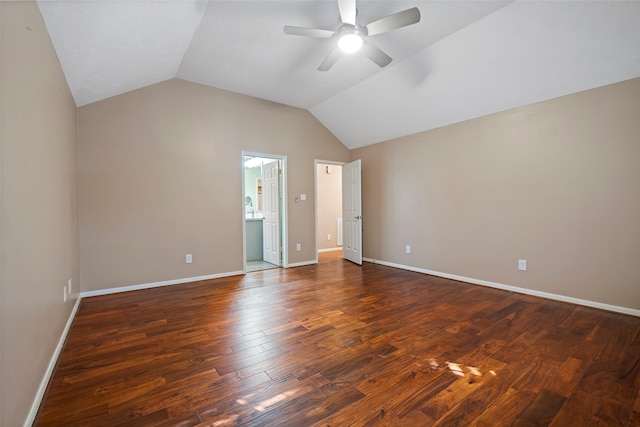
(33, 412)
(330, 249)
(548, 295)
(303, 263)
(158, 284)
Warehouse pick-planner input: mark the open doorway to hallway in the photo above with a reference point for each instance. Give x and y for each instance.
(328, 206)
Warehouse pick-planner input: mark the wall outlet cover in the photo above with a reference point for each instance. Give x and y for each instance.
(522, 264)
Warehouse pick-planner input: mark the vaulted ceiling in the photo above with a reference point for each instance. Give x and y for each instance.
(464, 59)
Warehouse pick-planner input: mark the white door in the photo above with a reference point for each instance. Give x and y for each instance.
(352, 212)
(271, 209)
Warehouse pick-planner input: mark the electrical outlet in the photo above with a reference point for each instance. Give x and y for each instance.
(64, 292)
(188, 258)
(298, 247)
(328, 236)
(522, 264)
(407, 249)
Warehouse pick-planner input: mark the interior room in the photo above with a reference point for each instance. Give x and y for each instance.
(498, 153)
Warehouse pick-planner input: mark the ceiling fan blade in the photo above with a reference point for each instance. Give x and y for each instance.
(375, 54)
(392, 22)
(330, 60)
(347, 11)
(308, 32)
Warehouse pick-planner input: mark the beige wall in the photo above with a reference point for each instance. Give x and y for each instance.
(39, 223)
(329, 204)
(160, 175)
(556, 183)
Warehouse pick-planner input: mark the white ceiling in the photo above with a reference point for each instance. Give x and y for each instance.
(463, 60)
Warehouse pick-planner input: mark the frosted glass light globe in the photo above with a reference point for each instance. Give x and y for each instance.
(350, 42)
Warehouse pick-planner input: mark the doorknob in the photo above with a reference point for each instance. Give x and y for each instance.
(357, 217)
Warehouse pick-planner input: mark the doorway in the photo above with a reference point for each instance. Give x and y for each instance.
(328, 179)
(264, 222)
(349, 223)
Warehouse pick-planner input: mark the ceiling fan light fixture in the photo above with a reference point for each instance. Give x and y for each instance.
(350, 41)
(350, 36)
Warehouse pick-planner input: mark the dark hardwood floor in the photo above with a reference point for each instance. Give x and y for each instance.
(335, 344)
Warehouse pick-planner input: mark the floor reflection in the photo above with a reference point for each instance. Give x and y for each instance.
(259, 265)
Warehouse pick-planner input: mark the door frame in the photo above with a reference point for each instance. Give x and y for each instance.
(283, 207)
(317, 162)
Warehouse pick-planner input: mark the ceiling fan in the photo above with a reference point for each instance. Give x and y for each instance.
(353, 37)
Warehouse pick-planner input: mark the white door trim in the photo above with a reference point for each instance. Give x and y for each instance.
(283, 207)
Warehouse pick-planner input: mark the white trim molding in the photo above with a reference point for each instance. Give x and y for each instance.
(330, 249)
(33, 412)
(548, 295)
(158, 284)
(302, 263)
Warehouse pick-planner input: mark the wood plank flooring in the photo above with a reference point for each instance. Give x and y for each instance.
(335, 344)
